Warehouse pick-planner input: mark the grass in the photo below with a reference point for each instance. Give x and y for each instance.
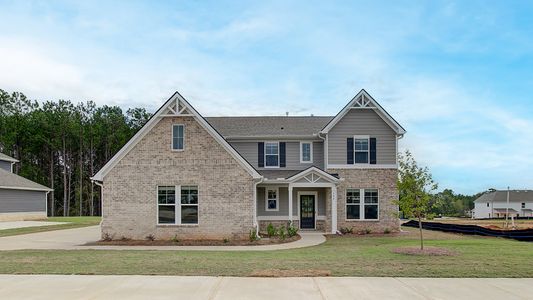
(73, 222)
(342, 256)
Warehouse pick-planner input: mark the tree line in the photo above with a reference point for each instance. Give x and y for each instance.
(61, 144)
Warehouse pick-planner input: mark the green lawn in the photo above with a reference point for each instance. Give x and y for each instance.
(343, 256)
(73, 222)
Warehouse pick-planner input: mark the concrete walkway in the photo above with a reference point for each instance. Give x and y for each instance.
(23, 224)
(179, 287)
(74, 239)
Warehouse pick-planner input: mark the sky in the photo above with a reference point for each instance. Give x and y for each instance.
(457, 75)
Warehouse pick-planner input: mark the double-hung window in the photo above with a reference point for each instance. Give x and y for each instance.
(362, 204)
(271, 199)
(361, 149)
(177, 205)
(271, 154)
(178, 137)
(306, 152)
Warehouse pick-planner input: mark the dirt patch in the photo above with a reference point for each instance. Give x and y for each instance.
(290, 273)
(428, 251)
(126, 242)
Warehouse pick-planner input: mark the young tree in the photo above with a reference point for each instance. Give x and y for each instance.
(415, 185)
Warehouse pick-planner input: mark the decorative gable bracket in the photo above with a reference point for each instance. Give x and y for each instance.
(176, 109)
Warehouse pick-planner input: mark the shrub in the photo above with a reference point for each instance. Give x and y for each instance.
(253, 235)
(368, 231)
(225, 240)
(292, 230)
(124, 239)
(175, 239)
(282, 233)
(150, 237)
(107, 237)
(386, 231)
(271, 230)
(346, 230)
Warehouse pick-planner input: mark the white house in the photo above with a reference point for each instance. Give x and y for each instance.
(494, 204)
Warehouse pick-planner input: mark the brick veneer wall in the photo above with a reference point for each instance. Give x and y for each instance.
(382, 179)
(225, 189)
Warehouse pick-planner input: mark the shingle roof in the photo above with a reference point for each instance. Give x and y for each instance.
(268, 126)
(7, 158)
(501, 196)
(9, 180)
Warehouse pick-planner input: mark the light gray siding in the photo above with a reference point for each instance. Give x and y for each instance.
(5, 165)
(284, 201)
(362, 122)
(249, 151)
(22, 201)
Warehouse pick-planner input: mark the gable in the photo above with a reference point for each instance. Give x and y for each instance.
(176, 109)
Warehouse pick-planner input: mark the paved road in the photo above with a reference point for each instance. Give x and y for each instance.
(73, 239)
(190, 288)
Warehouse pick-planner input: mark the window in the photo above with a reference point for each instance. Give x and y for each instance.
(306, 152)
(271, 199)
(523, 205)
(185, 211)
(488, 205)
(178, 136)
(368, 209)
(361, 146)
(271, 155)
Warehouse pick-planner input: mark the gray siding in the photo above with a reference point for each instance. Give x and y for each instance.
(5, 165)
(22, 201)
(284, 201)
(362, 122)
(249, 151)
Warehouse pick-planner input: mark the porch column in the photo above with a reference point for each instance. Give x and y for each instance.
(333, 208)
(290, 202)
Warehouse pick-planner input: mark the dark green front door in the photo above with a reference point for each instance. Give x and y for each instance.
(307, 211)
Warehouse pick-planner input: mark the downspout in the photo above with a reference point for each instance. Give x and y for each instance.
(46, 202)
(256, 224)
(101, 185)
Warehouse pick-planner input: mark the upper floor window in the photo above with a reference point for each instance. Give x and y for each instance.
(271, 199)
(306, 152)
(523, 205)
(178, 137)
(271, 154)
(361, 149)
(488, 205)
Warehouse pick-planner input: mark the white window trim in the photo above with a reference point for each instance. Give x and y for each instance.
(177, 206)
(362, 137)
(265, 154)
(361, 205)
(302, 161)
(276, 189)
(172, 138)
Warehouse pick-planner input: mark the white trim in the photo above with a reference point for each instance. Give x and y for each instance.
(284, 218)
(361, 205)
(334, 209)
(310, 154)
(9, 159)
(362, 137)
(172, 137)
(303, 193)
(12, 165)
(256, 139)
(155, 119)
(363, 166)
(368, 103)
(276, 189)
(265, 154)
(320, 172)
(25, 189)
(177, 205)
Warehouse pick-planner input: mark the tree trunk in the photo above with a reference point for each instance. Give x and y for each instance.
(421, 237)
(52, 202)
(81, 172)
(92, 170)
(65, 195)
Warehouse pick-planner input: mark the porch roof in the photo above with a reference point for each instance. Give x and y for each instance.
(288, 176)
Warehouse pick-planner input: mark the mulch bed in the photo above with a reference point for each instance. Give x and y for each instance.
(127, 242)
(290, 273)
(428, 251)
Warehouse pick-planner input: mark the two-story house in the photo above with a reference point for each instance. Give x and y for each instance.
(193, 177)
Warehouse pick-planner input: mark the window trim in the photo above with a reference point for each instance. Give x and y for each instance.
(361, 205)
(276, 189)
(361, 137)
(265, 155)
(177, 206)
(172, 137)
(310, 161)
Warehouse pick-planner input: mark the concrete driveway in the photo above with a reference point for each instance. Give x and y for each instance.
(179, 287)
(23, 224)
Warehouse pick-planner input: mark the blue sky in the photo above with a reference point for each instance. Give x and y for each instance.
(458, 75)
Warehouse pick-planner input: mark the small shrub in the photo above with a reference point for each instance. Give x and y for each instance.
(225, 240)
(292, 230)
(150, 237)
(271, 230)
(175, 239)
(368, 231)
(253, 235)
(386, 231)
(346, 230)
(107, 237)
(124, 239)
(282, 233)
(430, 216)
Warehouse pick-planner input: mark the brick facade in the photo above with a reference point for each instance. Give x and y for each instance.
(225, 188)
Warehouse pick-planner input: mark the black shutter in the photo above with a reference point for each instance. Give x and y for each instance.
(260, 154)
(349, 151)
(372, 151)
(282, 155)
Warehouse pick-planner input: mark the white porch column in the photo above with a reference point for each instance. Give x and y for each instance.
(290, 202)
(333, 208)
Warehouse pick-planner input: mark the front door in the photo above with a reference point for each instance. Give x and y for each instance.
(307, 211)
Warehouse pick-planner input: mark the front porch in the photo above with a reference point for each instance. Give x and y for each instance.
(307, 199)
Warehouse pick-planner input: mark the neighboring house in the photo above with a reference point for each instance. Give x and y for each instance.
(20, 198)
(193, 177)
(494, 204)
